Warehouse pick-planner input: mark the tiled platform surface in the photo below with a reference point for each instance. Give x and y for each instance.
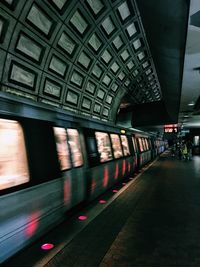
(154, 222)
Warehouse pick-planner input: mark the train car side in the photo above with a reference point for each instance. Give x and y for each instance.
(111, 158)
(53, 164)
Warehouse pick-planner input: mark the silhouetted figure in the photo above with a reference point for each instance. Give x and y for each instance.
(189, 145)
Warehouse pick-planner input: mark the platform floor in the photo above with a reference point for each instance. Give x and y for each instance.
(152, 221)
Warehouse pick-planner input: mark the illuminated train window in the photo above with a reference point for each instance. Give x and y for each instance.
(144, 144)
(140, 144)
(75, 147)
(134, 144)
(13, 164)
(147, 144)
(62, 148)
(104, 147)
(116, 145)
(125, 145)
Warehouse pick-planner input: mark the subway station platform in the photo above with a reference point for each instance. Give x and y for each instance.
(152, 219)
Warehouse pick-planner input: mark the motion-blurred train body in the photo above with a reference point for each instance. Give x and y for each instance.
(51, 161)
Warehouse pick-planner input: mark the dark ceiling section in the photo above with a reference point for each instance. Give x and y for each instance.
(147, 114)
(165, 24)
(152, 115)
(81, 56)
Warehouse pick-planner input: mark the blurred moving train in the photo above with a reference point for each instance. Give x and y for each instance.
(51, 161)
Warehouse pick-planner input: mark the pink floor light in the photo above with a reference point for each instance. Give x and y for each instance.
(47, 246)
(115, 191)
(82, 218)
(102, 201)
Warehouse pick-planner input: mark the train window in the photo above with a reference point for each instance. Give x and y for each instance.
(125, 145)
(75, 146)
(144, 144)
(13, 165)
(103, 145)
(116, 145)
(62, 148)
(140, 144)
(134, 144)
(147, 144)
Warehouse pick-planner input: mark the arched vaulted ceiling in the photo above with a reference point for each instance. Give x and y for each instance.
(82, 56)
(165, 24)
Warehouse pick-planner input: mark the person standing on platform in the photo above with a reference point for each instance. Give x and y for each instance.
(184, 151)
(189, 148)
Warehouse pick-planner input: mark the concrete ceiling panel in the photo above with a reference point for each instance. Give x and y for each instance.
(81, 56)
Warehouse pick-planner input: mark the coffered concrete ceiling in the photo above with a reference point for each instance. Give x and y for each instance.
(80, 56)
(114, 60)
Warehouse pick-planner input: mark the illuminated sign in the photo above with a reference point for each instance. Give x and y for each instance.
(171, 128)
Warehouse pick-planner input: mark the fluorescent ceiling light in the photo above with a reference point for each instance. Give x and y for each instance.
(191, 104)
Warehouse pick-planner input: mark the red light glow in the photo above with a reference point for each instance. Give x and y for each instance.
(105, 177)
(47, 246)
(135, 162)
(129, 167)
(115, 191)
(102, 201)
(82, 218)
(93, 186)
(33, 223)
(116, 171)
(67, 190)
(124, 167)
